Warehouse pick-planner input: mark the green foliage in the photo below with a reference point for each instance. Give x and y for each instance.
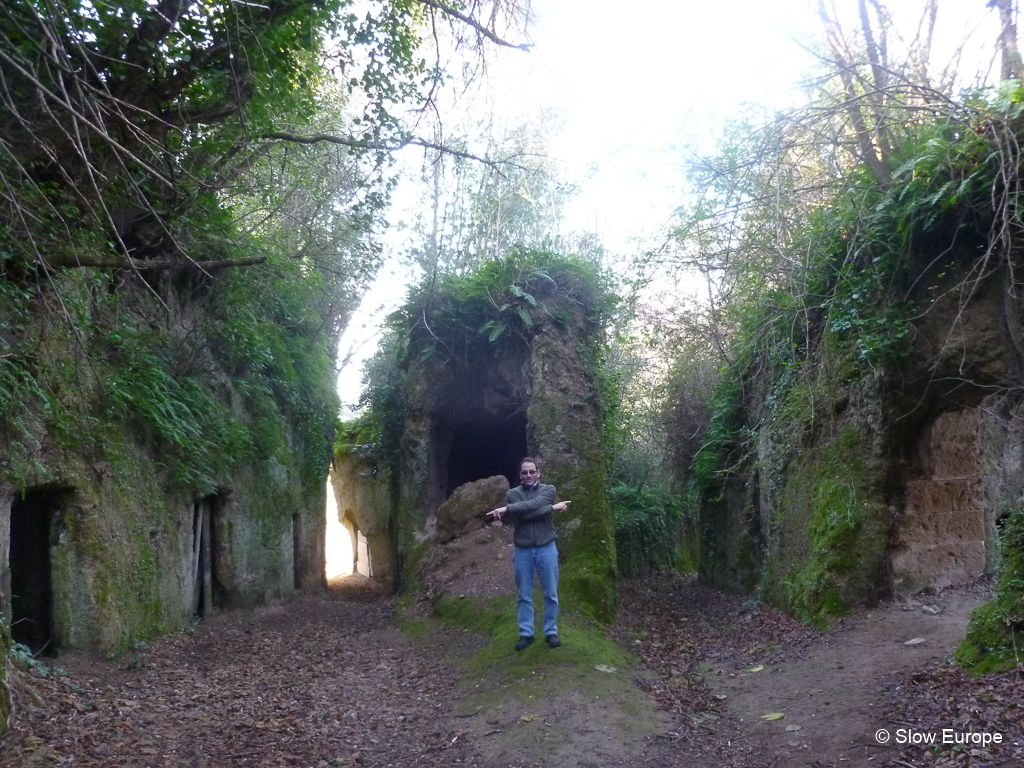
(836, 503)
(377, 432)
(822, 268)
(19, 390)
(647, 528)
(179, 126)
(473, 212)
(723, 432)
(502, 300)
(354, 435)
(583, 644)
(267, 329)
(97, 368)
(180, 414)
(994, 633)
(859, 315)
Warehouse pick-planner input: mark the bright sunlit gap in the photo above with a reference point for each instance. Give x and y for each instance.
(338, 541)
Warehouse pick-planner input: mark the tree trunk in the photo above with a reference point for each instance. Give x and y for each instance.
(1011, 68)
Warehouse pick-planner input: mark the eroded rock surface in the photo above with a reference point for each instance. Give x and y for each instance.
(462, 512)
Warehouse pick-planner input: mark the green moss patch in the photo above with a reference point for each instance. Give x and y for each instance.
(584, 644)
(837, 519)
(995, 633)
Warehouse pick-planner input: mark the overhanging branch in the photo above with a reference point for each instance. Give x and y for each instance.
(387, 146)
(471, 22)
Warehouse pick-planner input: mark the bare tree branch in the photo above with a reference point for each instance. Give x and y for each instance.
(391, 146)
(471, 22)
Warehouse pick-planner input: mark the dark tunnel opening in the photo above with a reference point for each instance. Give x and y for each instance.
(485, 448)
(34, 528)
(208, 592)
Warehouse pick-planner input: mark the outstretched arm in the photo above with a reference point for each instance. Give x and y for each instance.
(545, 498)
(532, 514)
(528, 509)
(545, 510)
(532, 509)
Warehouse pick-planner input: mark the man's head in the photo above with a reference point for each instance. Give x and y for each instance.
(529, 472)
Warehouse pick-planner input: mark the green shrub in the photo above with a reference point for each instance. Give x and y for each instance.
(996, 629)
(647, 528)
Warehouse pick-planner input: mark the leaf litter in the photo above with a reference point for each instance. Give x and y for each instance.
(322, 682)
(328, 682)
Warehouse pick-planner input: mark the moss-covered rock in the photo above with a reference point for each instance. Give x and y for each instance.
(566, 421)
(123, 414)
(836, 525)
(500, 364)
(995, 633)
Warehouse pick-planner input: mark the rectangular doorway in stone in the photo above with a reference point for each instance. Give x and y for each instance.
(207, 592)
(35, 520)
(296, 551)
(940, 539)
(364, 566)
(486, 447)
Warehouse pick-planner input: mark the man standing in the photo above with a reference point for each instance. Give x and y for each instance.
(531, 506)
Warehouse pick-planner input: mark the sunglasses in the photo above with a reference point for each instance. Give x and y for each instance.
(528, 471)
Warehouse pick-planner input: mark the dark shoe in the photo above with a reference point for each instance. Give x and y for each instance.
(524, 641)
(553, 641)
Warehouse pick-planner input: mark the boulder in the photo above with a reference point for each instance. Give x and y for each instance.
(464, 508)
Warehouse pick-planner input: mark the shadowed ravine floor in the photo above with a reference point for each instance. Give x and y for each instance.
(333, 681)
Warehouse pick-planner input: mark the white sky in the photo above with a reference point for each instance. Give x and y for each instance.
(636, 88)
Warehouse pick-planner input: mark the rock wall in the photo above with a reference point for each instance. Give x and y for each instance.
(566, 432)
(121, 513)
(364, 495)
(123, 559)
(865, 482)
(475, 407)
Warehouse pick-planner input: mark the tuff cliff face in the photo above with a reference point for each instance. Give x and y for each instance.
(475, 403)
(362, 490)
(866, 482)
(151, 473)
(477, 417)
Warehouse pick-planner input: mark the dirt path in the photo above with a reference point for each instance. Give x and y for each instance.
(833, 696)
(339, 680)
(725, 665)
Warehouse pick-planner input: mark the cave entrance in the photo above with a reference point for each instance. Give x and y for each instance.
(207, 593)
(486, 447)
(34, 526)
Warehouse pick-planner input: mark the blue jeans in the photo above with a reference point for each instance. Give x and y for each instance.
(545, 561)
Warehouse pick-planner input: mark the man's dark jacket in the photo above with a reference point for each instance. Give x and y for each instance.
(531, 512)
